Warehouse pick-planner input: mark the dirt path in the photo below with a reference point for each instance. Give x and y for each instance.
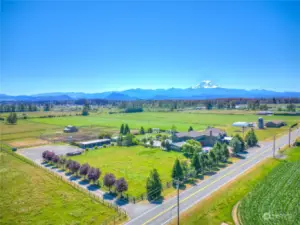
(234, 214)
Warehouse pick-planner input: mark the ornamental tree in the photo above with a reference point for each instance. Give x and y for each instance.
(109, 180)
(121, 186)
(84, 169)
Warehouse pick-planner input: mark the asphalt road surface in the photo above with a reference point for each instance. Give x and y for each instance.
(163, 213)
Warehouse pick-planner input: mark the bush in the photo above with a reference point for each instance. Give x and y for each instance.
(104, 146)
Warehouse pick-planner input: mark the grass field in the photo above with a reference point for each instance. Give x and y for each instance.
(165, 120)
(132, 163)
(30, 195)
(276, 199)
(217, 208)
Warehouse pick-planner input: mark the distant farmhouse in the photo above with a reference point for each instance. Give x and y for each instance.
(207, 138)
(70, 129)
(264, 113)
(275, 123)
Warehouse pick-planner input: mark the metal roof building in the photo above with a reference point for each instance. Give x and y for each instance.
(93, 143)
(241, 124)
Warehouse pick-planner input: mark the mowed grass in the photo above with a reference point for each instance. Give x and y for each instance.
(132, 163)
(217, 208)
(276, 199)
(165, 120)
(30, 195)
(23, 126)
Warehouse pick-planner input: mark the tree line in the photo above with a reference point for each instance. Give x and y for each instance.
(21, 107)
(87, 172)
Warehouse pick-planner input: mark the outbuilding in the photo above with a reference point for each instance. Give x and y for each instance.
(70, 129)
(94, 143)
(275, 123)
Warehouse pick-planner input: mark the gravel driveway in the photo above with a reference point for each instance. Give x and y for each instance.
(35, 153)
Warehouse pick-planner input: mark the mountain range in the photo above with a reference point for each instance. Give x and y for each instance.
(205, 90)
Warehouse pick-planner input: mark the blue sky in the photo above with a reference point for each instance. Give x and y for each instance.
(95, 46)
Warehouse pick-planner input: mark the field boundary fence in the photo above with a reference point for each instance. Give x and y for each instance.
(121, 214)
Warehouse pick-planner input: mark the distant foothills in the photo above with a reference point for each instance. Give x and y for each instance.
(204, 90)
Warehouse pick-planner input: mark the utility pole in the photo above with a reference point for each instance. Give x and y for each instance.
(177, 202)
(243, 132)
(289, 137)
(274, 146)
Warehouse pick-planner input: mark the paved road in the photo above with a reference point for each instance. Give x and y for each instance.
(163, 213)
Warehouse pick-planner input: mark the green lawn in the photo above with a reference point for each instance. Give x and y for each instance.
(165, 120)
(132, 163)
(30, 195)
(217, 208)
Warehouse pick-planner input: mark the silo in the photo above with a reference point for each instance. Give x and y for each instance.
(260, 123)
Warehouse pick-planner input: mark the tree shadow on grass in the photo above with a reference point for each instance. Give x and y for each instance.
(240, 156)
(84, 182)
(121, 201)
(75, 177)
(93, 187)
(109, 196)
(48, 165)
(68, 173)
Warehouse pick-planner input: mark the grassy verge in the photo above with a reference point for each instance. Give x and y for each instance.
(217, 208)
(30, 195)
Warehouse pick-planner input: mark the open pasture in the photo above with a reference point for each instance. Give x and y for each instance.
(132, 163)
(165, 120)
(30, 195)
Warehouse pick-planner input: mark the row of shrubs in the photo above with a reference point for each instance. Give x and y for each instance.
(63, 115)
(86, 171)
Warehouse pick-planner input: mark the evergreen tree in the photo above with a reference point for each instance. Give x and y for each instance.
(209, 163)
(142, 131)
(190, 129)
(236, 145)
(202, 161)
(154, 185)
(177, 172)
(217, 151)
(225, 152)
(12, 118)
(85, 111)
(242, 141)
(196, 163)
(251, 139)
(126, 130)
(213, 157)
(122, 129)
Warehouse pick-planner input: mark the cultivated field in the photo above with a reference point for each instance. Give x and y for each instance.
(30, 195)
(132, 163)
(276, 199)
(217, 208)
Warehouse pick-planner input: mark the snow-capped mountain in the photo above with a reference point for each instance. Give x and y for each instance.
(205, 84)
(205, 90)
